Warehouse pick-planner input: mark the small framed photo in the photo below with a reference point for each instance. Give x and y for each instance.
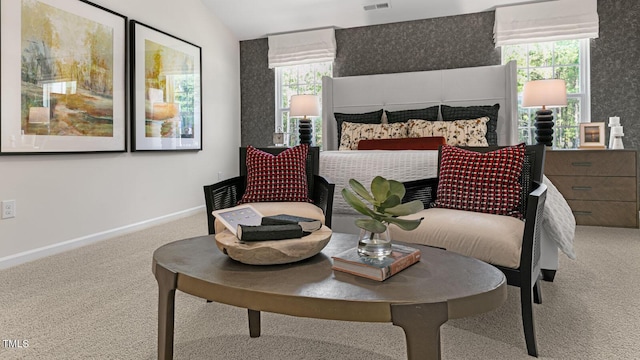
(592, 135)
(166, 98)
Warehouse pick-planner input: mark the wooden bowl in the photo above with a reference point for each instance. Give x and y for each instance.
(275, 251)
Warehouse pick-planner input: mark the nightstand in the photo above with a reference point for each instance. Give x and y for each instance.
(601, 186)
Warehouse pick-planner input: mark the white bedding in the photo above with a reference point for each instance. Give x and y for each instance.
(404, 165)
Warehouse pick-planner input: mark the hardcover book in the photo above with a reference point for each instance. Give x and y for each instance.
(307, 224)
(373, 268)
(269, 232)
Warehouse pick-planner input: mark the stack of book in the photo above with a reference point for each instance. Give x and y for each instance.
(376, 268)
(278, 227)
(247, 224)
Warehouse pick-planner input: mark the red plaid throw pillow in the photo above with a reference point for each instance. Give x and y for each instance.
(481, 182)
(281, 177)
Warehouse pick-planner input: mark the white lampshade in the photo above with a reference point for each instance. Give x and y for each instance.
(544, 93)
(304, 105)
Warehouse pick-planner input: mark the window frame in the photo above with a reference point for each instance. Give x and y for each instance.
(583, 96)
(280, 111)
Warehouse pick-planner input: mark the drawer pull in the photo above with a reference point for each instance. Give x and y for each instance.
(581, 188)
(581, 212)
(581, 163)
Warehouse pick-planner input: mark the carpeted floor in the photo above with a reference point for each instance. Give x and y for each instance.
(100, 302)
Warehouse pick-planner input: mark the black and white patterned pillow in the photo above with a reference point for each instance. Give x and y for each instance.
(352, 133)
(373, 117)
(430, 113)
(473, 112)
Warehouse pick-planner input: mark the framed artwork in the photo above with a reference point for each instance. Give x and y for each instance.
(62, 78)
(166, 112)
(592, 135)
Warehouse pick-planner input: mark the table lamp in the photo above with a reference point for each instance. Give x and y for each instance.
(545, 94)
(303, 106)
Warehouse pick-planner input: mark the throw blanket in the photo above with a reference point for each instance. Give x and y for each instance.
(404, 165)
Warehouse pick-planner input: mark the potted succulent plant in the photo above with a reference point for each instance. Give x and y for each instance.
(384, 207)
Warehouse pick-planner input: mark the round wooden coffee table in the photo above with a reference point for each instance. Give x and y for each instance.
(419, 299)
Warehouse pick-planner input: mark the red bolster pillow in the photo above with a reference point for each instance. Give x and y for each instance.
(421, 143)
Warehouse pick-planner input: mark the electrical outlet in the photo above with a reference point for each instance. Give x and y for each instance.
(8, 209)
(220, 175)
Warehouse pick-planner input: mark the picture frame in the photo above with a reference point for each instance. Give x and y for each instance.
(592, 135)
(62, 78)
(166, 91)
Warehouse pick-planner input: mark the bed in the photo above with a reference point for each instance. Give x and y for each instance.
(476, 86)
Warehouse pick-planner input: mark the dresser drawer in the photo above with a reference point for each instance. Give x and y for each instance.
(605, 213)
(596, 188)
(591, 162)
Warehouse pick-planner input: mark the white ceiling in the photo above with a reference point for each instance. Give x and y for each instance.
(253, 19)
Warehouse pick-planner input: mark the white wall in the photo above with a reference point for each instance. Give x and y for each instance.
(64, 200)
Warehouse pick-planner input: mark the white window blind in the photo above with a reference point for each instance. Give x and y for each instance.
(547, 21)
(302, 48)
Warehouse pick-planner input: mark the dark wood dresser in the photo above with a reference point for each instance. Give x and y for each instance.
(601, 186)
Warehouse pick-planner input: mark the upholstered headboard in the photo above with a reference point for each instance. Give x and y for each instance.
(484, 85)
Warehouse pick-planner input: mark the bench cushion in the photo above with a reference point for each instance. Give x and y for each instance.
(304, 209)
(496, 239)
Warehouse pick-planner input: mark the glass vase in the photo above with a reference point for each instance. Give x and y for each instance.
(376, 245)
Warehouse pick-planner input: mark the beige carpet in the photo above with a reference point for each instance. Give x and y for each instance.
(100, 302)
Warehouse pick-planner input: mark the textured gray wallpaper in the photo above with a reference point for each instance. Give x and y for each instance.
(257, 94)
(453, 42)
(433, 44)
(615, 68)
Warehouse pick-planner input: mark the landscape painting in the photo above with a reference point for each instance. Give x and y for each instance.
(169, 81)
(166, 91)
(71, 78)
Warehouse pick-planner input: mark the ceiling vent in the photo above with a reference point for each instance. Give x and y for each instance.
(377, 6)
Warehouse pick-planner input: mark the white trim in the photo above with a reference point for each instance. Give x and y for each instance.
(546, 21)
(585, 80)
(35, 254)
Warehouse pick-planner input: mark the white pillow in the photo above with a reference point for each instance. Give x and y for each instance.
(470, 132)
(352, 133)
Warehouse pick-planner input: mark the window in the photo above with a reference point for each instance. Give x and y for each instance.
(294, 80)
(567, 60)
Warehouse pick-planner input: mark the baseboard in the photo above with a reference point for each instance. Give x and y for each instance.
(23, 257)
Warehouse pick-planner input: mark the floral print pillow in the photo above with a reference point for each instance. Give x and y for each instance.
(352, 133)
(457, 132)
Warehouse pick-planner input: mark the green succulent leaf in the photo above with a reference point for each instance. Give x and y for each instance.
(406, 224)
(397, 188)
(371, 225)
(379, 189)
(409, 208)
(359, 189)
(385, 197)
(356, 203)
(391, 202)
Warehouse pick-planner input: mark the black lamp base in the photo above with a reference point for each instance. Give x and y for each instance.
(544, 127)
(306, 131)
